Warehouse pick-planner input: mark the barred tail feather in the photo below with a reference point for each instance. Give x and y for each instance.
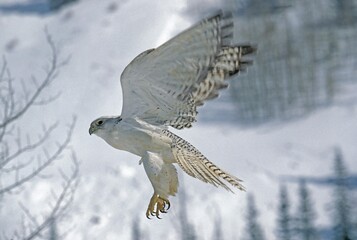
(195, 164)
(234, 181)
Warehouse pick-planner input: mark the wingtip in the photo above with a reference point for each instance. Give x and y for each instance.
(248, 48)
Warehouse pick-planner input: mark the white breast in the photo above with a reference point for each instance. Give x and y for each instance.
(138, 138)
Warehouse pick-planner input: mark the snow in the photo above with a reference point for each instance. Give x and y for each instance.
(114, 189)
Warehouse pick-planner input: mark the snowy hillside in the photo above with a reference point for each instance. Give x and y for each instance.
(101, 38)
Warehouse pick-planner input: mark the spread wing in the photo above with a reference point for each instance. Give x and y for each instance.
(164, 86)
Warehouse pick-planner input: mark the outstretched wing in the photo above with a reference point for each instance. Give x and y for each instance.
(164, 86)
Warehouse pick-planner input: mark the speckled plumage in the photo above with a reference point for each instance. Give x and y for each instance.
(163, 87)
(195, 164)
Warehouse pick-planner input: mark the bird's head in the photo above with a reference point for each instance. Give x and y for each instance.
(102, 123)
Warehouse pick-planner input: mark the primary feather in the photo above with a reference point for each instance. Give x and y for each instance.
(164, 86)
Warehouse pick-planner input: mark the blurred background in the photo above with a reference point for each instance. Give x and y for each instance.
(287, 126)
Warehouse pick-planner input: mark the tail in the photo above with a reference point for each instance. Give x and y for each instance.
(195, 164)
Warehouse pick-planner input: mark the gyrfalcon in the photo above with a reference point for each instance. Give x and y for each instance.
(163, 87)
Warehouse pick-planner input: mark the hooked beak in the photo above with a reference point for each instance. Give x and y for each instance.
(91, 130)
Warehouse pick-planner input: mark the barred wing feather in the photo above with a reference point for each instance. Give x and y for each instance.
(164, 86)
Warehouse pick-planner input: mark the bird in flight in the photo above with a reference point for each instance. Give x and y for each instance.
(162, 88)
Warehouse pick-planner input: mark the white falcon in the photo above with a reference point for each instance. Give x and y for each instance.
(162, 87)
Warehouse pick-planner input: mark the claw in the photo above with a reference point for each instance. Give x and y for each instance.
(157, 205)
(168, 205)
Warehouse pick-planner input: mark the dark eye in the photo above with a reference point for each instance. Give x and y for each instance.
(100, 122)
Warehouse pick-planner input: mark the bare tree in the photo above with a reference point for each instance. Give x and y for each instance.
(23, 157)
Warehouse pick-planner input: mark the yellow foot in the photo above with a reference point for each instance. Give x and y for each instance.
(157, 205)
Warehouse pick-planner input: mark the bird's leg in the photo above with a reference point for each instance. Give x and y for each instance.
(151, 207)
(157, 204)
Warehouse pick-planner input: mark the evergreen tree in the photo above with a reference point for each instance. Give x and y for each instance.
(305, 217)
(284, 220)
(57, 4)
(187, 229)
(341, 216)
(217, 229)
(345, 12)
(136, 231)
(253, 229)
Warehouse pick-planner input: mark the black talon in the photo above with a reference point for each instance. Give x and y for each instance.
(168, 206)
(157, 214)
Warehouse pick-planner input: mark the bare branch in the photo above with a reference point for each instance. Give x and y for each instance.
(62, 203)
(10, 115)
(47, 100)
(20, 152)
(18, 166)
(30, 146)
(29, 215)
(49, 159)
